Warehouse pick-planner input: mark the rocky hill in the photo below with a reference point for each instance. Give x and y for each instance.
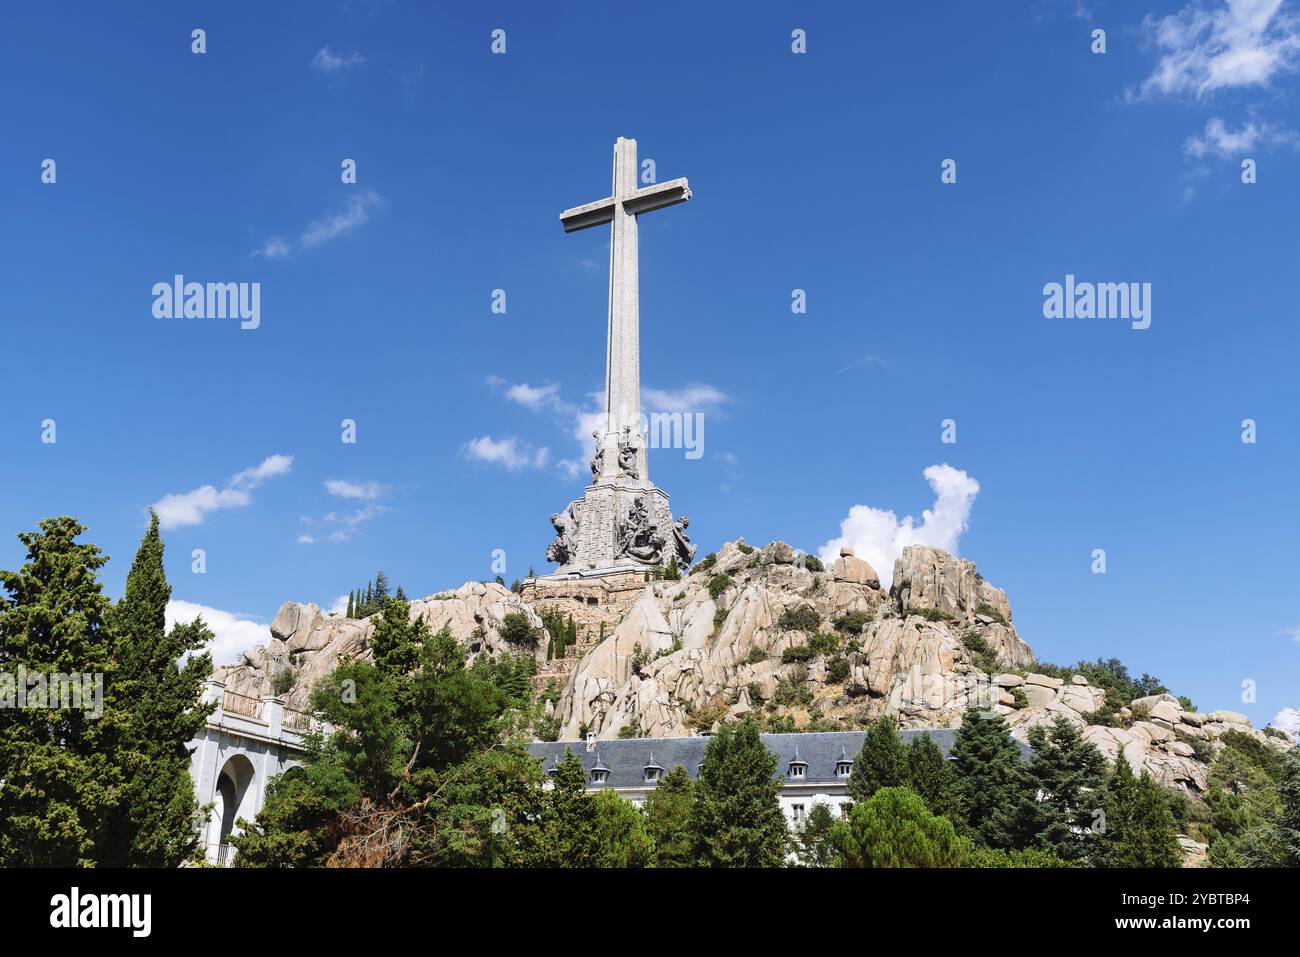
(767, 632)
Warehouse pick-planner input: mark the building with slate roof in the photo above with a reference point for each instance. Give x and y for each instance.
(814, 768)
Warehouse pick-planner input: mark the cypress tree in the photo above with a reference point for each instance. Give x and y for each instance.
(155, 824)
(931, 776)
(881, 763)
(352, 605)
(668, 818)
(60, 766)
(1139, 828)
(736, 820)
(994, 791)
(1070, 775)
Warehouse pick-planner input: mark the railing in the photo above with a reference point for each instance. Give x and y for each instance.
(296, 720)
(241, 704)
(223, 855)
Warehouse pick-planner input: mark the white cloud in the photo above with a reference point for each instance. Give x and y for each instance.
(1241, 43)
(355, 212)
(1293, 632)
(1218, 140)
(349, 523)
(508, 452)
(305, 539)
(533, 397)
(340, 605)
(190, 508)
(327, 61)
(696, 397)
(1288, 720)
(879, 537)
(367, 491)
(277, 247)
(234, 634)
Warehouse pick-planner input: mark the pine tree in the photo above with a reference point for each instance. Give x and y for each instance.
(400, 594)
(619, 832)
(381, 589)
(60, 766)
(895, 829)
(397, 640)
(668, 818)
(881, 763)
(1070, 774)
(1139, 830)
(156, 823)
(814, 841)
(994, 791)
(736, 819)
(931, 776)
(1288, 825)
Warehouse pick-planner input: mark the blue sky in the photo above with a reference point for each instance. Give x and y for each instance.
(816, 171)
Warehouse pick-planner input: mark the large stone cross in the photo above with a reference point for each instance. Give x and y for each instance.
(623, 359)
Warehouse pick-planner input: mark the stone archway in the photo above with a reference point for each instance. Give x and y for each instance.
(234, 796)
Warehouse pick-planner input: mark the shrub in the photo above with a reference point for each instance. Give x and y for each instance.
(755, 692)
(797, 653)
(516, 629)
(745, 549)
(931, 614)
(673, 572)
(282, 681)
(719, 584)
(705, 563)
(1019, 697)
(756, 655)
(793, 688)
(707, 715)
(852, 623)
(1029, 857)
(824, 643)
(837, 670)
(988, 611)
(800, 618)
(984, 657)
(813, 563)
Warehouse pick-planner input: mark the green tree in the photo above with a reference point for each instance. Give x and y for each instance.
(620, 832)
(668, 818)
(736, 819)
(893, 828)
(814, 840)
(931, 775)
(994, 791)
(881, 763)
(352, 605)
(155, 824)
(1070, 774)
(1139, 828)
(60, 766)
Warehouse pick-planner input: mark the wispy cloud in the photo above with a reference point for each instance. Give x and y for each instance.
(1218, 140)
(233, 634)
(328, 62)
(346, 525)
(368, 491)
(1288, 720)
(355, 212)
(190, 508)
(509, 453)
(878, 536)
(1205, 48)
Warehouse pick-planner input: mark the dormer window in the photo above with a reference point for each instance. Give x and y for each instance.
(798, 769)
(599, 773)
(844, 766)
(652, 771)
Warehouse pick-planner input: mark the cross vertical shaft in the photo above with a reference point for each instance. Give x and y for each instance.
(623, 362)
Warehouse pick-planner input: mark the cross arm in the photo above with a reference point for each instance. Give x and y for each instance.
(658, 196)
(592, 214)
